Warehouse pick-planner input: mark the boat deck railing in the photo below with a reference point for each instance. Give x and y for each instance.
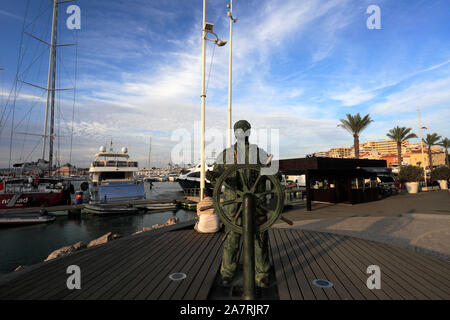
(112, 163)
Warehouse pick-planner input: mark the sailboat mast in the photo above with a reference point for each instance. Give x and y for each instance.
(149, 152)
(51, 75)
(52, 110)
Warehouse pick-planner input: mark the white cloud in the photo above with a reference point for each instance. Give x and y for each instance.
(425, 94)
(353, 96)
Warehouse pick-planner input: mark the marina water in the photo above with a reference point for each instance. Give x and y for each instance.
(27, 245)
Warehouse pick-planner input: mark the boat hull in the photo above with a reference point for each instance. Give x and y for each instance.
(191, 184)
(14, 220)
(102, 210)
(32, 199)
(114, 191)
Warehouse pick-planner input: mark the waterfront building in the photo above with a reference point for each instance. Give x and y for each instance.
(321, 154)
(337, 180)
(391, 159)
(382, 146)
(342, 152)
(415, 158)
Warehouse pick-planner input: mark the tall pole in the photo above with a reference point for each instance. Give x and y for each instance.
(203, 96)
(52, 105)
(230, 15)
(248, 225)
(49, 80)
(421, 148)
(149, 153)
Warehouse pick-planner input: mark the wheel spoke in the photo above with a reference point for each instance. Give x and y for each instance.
(253, 188)
(226, 185)
(228, 202)
(244, 183)
(265, 193)
(266, 209)
(237, 214)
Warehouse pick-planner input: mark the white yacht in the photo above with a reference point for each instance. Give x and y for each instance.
(112, 176)
(190, 179)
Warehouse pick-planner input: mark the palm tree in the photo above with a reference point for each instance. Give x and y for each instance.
(400, 134)
(431, 140)
(355, 124)
(445, 142)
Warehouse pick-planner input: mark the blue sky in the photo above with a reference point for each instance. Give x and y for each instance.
(298, 66)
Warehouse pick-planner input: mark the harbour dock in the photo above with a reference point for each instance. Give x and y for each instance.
(141, 267)
(73, 207)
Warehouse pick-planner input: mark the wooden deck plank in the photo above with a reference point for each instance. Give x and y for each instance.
(423, 275)
(16, 281)
(303, 283)
(405, 279)
(100, 264)
(190, 267)
(159, 283)
(315, 263)
(341, 270)
(148, 282)
(21, 280)
(390, 285)
(434, 270)
(283, 290)
(355, 269)
(202, 269)
(112, 271)
(288, 266)
(204, 289)
(322, 259)
(305, 261)
(44, 279)
(197, 270)
(150, 264)
(136, 267)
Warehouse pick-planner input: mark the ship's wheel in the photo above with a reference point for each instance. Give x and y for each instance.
(239, 180)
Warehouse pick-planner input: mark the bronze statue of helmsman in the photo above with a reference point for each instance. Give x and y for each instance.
(246, 160)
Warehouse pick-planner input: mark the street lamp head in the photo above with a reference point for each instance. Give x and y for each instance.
(221, 43)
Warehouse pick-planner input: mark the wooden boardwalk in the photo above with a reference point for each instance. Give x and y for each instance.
(300, 257)
(138, 267)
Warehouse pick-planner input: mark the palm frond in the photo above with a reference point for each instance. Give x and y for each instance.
(400, 134)
(431, 139)
(355, 124)
(445, 142)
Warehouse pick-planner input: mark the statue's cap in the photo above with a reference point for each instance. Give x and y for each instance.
(242, 124)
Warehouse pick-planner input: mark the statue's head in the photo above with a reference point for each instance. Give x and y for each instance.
(242, 129)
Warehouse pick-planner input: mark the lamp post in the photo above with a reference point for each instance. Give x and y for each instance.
(232, 20)
(421, 148)
(206, 28)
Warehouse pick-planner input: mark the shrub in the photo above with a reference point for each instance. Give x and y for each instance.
(440, 173)
(410, 174)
